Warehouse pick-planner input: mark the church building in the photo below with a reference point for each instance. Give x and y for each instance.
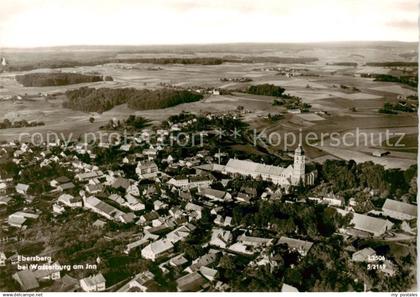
(289, 176)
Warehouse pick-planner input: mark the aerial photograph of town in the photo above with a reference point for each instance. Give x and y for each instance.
(158, 146)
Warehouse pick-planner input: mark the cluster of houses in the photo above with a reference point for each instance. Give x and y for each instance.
(144, 202)
(37, 272)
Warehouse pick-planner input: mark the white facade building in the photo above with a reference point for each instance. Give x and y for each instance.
(290, 175)
(95, 283)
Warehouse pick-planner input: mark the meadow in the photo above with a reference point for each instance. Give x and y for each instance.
(341, 99)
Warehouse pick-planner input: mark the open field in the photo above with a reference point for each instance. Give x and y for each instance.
(341, 100)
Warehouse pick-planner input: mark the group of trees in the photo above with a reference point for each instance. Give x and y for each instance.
(345, 175)
(157, 99)
(326, 268)
(266, 90)
(103, 99)
(131, 123)
(57, 79)
(402, 106)
(310, 221)
(292, 102)
(236, 79)
(411, 81)
(6, 124)
(282, 99)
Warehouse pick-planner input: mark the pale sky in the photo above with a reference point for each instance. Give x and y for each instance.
(30, 23)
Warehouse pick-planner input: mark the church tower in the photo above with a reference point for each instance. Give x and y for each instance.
(298, 166)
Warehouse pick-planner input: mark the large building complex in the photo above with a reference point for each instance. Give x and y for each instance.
(282, 176)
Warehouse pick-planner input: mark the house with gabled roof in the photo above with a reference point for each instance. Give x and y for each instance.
(133, 203)
(208, 273)
(288, 288)
(127, 218)
(26, 279)
(223, 221)
(367, 224)
(4, 200)
(22, 189)
(157, 249)
(94, 188)
(102, 208)
(194, 210)
(180, 233)
(93, 283)
(70, 201)
(220, 238)
(18, 218)
(192, 282)
(215, 195)
(364, 255)
(148, 217)
(66, 186)
(121, 182)
(399, 210)
(205, 260)
(147, 169)
(140, 242)
(178, 261)
(255, 241)
(59, 181)
(300, 246)
(179, 181)
(89, 175)
(139, 283)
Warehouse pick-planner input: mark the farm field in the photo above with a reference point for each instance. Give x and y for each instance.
(341, 100)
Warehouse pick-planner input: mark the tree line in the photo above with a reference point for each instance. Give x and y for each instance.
(186, 61)
(6, 124)
(392, 64)
(58, 79)
(411, 81)
(164, 60)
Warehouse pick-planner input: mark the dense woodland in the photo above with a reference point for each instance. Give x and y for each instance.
(349, 177)
(411, 81)
(271, 59)
(392, 64)
(52, 64)
(266, 90)
(352, 64)
(282, 99)
(58, 79)
(103, 99)
(199, 61)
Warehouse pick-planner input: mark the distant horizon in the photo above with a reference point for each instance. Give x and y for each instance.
(52, 23)
(208, 44)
